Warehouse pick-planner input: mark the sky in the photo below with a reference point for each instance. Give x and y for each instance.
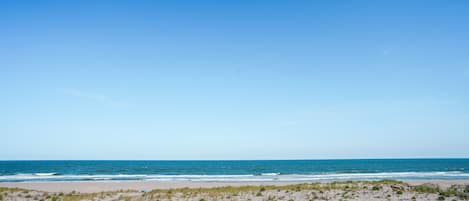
(241, 79)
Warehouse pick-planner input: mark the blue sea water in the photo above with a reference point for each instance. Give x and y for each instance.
(257, 170)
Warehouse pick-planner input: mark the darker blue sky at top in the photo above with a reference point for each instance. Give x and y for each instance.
(363, 72)
(302, 37)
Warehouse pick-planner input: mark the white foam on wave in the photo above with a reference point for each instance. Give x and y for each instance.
(247, 177)
(45, 174)
(270, 174)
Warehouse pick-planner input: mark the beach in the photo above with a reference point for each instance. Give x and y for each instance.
(157, 190)
(287, 180)
(98, 186)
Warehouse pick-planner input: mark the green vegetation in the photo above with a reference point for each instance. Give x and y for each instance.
(125, 198)
(426, 189)
(377, 187)
(454, 190)
(11, 190)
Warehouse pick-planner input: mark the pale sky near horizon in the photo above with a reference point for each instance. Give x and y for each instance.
(234, 79)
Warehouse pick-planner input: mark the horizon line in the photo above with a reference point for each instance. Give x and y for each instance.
(317, 159)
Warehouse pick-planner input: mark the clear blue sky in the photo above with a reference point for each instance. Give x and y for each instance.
(234, 79)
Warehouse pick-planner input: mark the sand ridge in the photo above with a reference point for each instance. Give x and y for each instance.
(254, 191)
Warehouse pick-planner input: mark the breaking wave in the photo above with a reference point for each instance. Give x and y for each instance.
(41, 177)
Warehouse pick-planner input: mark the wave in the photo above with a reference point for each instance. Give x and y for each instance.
(46, 174)
(235, 178)
(270, 174)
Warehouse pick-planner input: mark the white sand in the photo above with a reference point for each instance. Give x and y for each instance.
(98, 186)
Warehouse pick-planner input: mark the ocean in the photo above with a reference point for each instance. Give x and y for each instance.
(233, 171)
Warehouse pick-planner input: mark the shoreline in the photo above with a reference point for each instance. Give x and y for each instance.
(100, 186)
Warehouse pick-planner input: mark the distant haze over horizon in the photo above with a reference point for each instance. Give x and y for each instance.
(185, 80)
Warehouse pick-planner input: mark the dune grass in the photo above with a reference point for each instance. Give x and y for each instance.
(347, 190)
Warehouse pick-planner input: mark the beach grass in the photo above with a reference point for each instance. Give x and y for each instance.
(343, 190)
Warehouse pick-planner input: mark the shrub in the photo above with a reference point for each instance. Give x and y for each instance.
(259, 194)
(426, 189)
(376, 188)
